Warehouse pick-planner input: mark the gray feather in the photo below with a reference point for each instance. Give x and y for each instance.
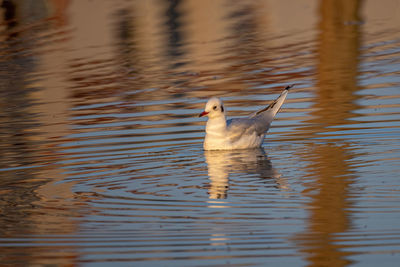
(258, 122)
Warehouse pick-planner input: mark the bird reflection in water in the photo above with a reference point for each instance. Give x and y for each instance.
(222, 163)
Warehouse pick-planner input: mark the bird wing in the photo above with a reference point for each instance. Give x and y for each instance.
(275, 105)
(258, 122)
(265, 116)
(239, 127)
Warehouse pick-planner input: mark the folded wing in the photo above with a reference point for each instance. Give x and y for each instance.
(258, 122)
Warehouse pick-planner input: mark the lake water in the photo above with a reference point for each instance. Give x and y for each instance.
(101, 158)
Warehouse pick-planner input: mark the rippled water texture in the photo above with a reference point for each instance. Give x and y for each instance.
(101, 158)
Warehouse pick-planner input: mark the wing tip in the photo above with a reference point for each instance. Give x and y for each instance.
(289, 87)
(273, 103)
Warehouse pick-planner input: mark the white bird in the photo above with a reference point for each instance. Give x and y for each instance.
(238, 133)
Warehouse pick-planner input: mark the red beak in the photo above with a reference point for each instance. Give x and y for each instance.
(203, 114)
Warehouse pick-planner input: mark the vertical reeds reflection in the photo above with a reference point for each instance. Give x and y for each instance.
(33, 120)
(329, 168)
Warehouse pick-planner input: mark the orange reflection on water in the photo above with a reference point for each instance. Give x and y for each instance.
(330, 173)
(100, 139)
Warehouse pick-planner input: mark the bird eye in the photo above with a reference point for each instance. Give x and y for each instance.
(214, 107)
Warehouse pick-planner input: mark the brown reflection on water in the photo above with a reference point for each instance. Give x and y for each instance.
(87, 92)
(32, 201)
(337, 62)
(330, 170)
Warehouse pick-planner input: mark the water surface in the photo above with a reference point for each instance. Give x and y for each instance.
(101, 157)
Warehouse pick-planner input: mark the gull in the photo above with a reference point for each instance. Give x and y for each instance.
(238, 133)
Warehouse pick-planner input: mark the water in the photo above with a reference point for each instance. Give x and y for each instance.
(101, 158)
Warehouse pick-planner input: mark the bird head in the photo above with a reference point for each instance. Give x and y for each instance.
(214, 108)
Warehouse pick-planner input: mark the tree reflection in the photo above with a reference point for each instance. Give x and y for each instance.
(31, 204)
(330, 168)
